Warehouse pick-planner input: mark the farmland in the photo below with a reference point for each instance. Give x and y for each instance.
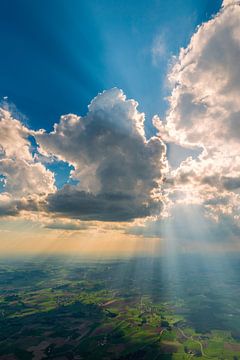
(58, 308)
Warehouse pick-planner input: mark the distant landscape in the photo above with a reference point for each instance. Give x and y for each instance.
(120, 180)
(142, 308)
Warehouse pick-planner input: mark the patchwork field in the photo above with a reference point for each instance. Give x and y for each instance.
(131, 309)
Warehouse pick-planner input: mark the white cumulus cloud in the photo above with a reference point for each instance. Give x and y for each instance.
(23, 177)
(204, 113)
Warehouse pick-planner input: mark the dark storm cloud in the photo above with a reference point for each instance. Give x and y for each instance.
(103, 207)
(118, 171)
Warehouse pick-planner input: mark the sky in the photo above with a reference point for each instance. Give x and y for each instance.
(119, 126)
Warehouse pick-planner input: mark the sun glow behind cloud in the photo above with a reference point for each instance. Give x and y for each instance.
(122, 196)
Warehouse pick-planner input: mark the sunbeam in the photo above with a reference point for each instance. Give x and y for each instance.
(119, 180)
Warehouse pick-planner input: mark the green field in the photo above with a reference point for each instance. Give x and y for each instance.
(131, 309)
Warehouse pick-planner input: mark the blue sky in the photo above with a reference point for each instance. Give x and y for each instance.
(111, 171)
(57, 55)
